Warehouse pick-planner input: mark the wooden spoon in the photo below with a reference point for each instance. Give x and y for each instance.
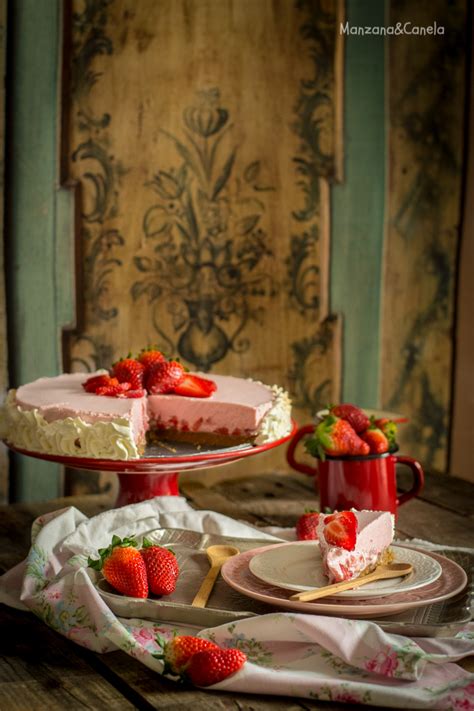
(217, 556)
(392, 570)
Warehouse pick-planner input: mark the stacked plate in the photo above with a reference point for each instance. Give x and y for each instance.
(273, 573)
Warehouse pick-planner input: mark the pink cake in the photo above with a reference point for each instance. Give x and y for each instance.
(56, 416)
(353, 543)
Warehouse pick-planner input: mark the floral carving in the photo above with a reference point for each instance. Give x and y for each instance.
(210, 247)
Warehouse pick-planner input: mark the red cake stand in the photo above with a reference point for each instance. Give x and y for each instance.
(156, 472)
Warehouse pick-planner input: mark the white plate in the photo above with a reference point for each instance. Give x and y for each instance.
(298, 566)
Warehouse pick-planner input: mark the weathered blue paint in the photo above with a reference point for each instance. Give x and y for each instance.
(358, 207)
(32, 266)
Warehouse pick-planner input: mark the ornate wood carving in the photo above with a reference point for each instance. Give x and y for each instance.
(204, 156)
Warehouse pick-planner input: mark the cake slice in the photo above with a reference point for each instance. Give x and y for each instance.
(353, 543)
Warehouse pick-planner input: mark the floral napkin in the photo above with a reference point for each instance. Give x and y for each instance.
(291, 654)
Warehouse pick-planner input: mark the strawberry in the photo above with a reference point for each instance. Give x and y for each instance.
(353, 415)
(113, 390)
(178, 651)
(340, 530)
(133, 393)
(149, 357)
(306, 526)
(335, 437)
(376, 439)
(123, 567)
(213, 665)
(99, 381)
(389, 428)
(164, 377)
(195, 386)
(129, 370)
(161, 567)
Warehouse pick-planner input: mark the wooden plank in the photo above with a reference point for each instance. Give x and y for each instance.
(460, 460)
(426, 121)
(420, 519)
(205, 195)
(39, 669)
(358, 207)
(161, 693)
(450, 493)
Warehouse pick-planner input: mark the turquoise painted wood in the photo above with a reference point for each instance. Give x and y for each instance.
(39, 301)
(358, 207)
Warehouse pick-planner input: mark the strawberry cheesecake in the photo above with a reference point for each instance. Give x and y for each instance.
(353, 543)
(103, 415)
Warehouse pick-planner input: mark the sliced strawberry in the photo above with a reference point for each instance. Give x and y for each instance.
(164, 377)
(341, 530)
(113, 390)
(98, 381)
(133, 393)
(195, 386)
(129, 370)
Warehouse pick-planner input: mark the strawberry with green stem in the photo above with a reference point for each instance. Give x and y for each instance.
(123, 567)
(129, 370)
(176, 654)
(336, 438)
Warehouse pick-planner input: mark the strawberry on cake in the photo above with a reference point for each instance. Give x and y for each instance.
(112, 414)
(353, 543)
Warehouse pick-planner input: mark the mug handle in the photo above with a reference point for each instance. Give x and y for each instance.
(418, 479)
(290, 454)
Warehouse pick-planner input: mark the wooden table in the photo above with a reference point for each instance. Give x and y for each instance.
(39, 669)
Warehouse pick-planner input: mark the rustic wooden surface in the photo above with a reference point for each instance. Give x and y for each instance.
(39, 669)
(426, 90)
(202, 160)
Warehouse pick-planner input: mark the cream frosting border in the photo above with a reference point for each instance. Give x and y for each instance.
(71, 436)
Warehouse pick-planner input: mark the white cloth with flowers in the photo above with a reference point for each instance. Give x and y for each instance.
(291, 654)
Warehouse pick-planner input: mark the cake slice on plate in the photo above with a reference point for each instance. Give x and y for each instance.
(353, 543)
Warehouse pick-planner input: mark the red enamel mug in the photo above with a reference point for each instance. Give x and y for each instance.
(365, 482)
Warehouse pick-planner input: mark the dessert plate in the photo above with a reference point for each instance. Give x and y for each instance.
(298, 566)
(453, 580)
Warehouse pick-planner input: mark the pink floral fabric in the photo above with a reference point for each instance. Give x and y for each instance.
(306, 656)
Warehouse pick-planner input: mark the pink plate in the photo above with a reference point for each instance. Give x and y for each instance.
(156, 473)
(453, 579)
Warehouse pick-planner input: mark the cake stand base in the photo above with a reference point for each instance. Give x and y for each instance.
(156, 472)
(140, 487)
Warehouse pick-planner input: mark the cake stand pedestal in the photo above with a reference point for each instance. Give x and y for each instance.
(156, 472)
